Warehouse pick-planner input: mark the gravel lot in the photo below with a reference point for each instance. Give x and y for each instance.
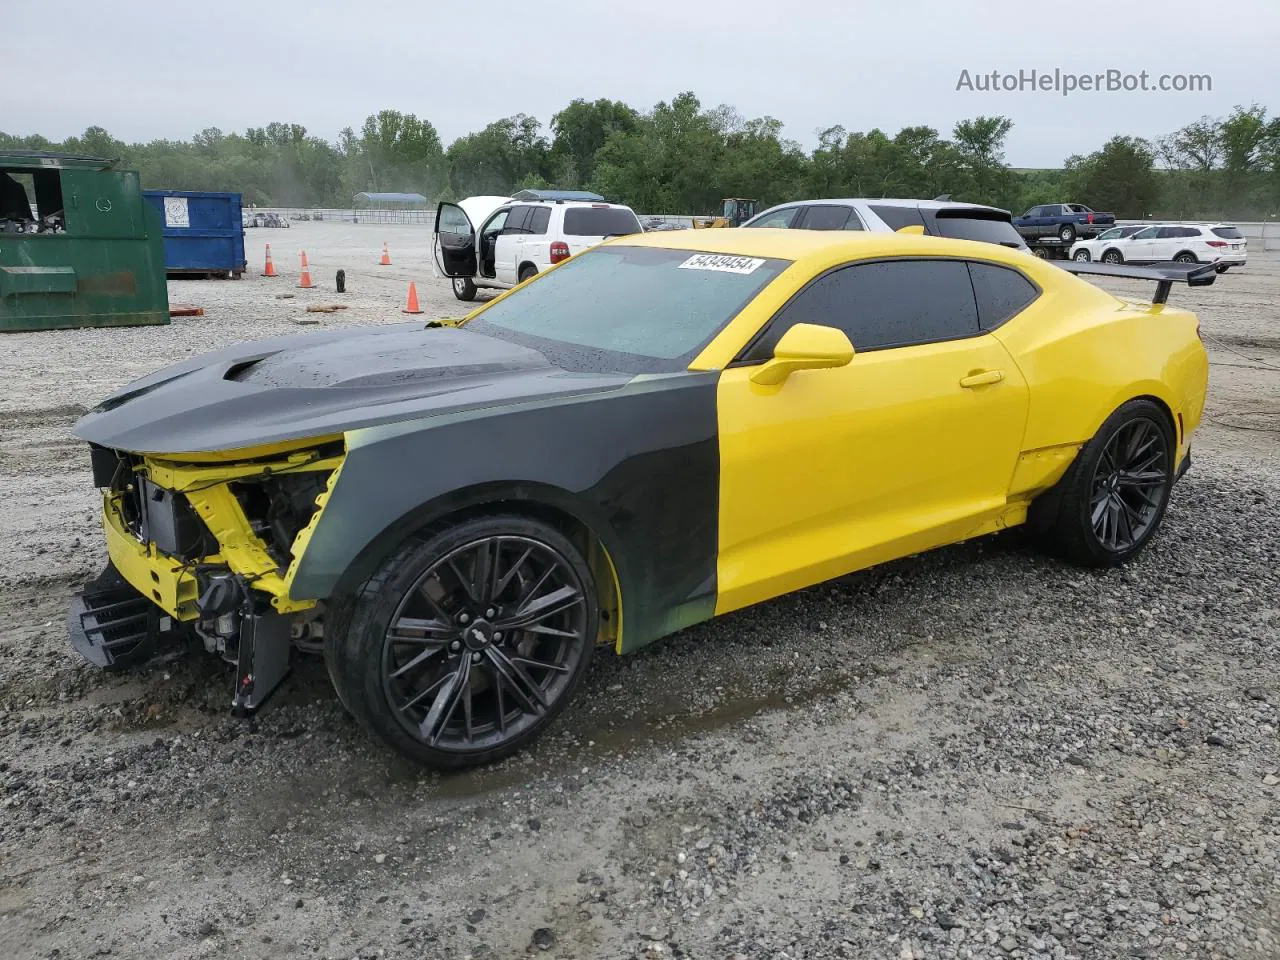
(975, 753)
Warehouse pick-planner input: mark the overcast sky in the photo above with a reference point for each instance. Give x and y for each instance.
(145, 69)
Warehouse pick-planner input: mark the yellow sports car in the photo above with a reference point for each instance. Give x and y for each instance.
(657, 431)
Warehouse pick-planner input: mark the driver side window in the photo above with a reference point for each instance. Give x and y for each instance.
(881, 305)
(495, 223)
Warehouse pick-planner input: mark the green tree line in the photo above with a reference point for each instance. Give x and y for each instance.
(680, 157)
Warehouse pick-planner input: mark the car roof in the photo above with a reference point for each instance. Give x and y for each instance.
(783, 244)
(891, 202)
(558, 195)
(568, 203)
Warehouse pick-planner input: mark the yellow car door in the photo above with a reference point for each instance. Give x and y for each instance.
(910, 445)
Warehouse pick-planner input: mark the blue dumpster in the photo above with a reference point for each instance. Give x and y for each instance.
(203, 232)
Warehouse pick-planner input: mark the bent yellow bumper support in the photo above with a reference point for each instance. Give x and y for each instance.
(169, 582)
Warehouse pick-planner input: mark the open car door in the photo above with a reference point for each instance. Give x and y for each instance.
(455, 242)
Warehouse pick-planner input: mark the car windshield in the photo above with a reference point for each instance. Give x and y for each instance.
(628, 309)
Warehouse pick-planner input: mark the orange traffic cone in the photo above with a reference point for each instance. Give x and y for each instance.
(305, 281)
(412, 305)
(386, 257)
(269, 270)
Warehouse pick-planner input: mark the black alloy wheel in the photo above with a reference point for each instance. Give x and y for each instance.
(481, 645)
(1112, 499)
(1130, 482)
(467, 641)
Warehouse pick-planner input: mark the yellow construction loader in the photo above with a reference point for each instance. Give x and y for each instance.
(733, 212)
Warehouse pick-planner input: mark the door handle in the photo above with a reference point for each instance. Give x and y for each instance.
(982, 379)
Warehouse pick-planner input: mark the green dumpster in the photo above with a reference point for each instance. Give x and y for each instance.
(88, 253)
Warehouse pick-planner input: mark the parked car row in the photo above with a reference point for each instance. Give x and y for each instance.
(1221, 244)
(519, 237)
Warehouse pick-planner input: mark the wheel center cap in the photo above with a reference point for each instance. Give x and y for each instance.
(478, 634)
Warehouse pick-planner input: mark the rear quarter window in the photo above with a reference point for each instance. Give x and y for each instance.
(1001, 292)
(827, 217)
(985, 229)
(600, 222)
(1228, 233)
(538, 222)
(898, 217)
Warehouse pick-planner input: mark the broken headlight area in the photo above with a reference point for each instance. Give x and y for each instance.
(202, 554)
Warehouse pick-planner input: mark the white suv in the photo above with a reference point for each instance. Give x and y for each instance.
(1221, 244)
(939, 218)
(519, 238)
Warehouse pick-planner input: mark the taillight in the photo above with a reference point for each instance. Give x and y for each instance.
(559, 251)
(1216, 243)
(1091, 218)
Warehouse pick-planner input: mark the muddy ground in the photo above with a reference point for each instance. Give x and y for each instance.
(975, 753)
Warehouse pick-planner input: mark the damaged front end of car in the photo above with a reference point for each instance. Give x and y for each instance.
(203, 550)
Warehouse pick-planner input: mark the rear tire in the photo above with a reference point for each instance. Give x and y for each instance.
(467, 641)
(1112, 499)
(527, 271)
(1186, 256)
(1222, 268)
(1067, 233)
(464, 288)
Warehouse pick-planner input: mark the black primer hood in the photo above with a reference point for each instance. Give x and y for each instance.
(317, 384)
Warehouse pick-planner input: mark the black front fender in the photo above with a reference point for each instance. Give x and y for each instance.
(639, 466)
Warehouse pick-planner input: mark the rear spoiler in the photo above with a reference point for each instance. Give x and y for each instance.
(1165, 275)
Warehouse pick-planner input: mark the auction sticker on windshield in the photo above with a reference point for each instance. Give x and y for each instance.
(722, 263)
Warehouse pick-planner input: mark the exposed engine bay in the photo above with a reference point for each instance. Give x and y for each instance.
(203, 552)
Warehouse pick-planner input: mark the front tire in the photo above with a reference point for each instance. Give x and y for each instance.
(467, 641)
(1082, 256)
(464, 288)
(1112, 256)
(1111, 501)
